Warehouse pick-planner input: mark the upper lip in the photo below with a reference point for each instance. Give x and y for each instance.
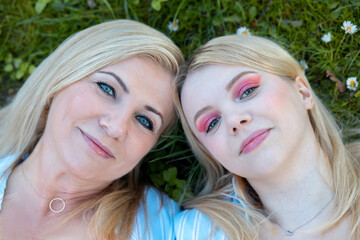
(97, 142)
(251, 137)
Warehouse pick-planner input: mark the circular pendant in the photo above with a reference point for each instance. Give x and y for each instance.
(61, 209)
(289, 233)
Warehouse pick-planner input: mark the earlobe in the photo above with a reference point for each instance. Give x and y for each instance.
(305, 92)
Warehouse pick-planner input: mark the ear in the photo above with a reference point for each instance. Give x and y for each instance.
(305, 92)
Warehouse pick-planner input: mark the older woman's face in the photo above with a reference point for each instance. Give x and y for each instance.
(102, 126)
(249, 120)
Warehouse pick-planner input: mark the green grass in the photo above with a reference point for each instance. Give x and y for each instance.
(27, 37)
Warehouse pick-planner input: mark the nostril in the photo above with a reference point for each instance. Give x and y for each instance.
(243, 122)
(234, 129)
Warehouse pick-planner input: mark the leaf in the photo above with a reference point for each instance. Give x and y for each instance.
(19, 74)
(170, 174)
(252, 13)
(173, 181)
(357, 94)
(232, 19)
(176, 194)
(40, 5)
(155, 4)
(58, 6)
(333, 5)
(8, 68)
(272, 31)
(216, 21)
(285, 26)
(8, 58)
(157, 179)
(335, 14)
(31, 69)
(136, 2)
(339, 85)
(180, 184)
(24, 66)
(17, 62)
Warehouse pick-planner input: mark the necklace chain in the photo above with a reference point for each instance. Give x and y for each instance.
(290, 233)
(52, 201)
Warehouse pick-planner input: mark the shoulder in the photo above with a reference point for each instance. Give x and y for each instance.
(193, 224)
(154, 219)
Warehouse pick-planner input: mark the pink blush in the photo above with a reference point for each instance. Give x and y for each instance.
(204, 122)
(246, 83)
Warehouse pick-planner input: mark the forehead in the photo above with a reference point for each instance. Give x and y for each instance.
(207, 81)
(213, 76)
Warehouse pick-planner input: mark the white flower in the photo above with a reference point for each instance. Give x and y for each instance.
(352, 84)
(349, 27)
(243, 31)
(303, 65)
(326, 37)
(174, 26)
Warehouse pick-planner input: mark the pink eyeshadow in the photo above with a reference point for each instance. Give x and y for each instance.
(204, 122)
(248, 82)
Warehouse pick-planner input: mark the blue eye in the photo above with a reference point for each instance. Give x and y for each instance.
(106, 88)
(247, 92)
(213, 124)
(146, 122)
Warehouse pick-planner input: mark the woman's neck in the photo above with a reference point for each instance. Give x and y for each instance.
(46, 179)
(299, 192)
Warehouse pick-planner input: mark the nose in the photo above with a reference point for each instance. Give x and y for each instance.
(115, 125)
(237, 121)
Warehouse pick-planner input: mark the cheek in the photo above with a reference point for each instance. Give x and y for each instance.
(138, 147)
(279, 102)
(274, 100)
(218, 150)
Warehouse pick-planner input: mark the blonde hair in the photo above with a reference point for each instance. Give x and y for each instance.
(22, 122)
(265, 55)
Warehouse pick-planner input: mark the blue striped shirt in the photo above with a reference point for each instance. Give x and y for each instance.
(195, 225)
(159, 216)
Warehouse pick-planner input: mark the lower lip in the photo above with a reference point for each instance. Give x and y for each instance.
(255, 142)
(95, 147)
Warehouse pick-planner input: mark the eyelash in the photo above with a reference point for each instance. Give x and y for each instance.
(241, 94)
(148, 124)
(107, 89)
(213, 124)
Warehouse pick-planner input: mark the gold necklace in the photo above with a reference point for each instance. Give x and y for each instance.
(52, 201)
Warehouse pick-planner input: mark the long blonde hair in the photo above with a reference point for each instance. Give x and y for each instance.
(344, 160)
(22, 122)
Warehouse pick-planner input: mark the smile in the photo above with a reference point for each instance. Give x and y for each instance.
(254, 140)
(96, 146)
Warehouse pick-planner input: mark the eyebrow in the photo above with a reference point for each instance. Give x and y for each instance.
(118, 79)
(151, 109)
(197, 115)
(237, 77)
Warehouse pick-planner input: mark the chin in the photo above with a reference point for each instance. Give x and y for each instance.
(81, 168)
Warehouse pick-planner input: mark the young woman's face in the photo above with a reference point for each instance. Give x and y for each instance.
(249, 120)
(102, 125)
